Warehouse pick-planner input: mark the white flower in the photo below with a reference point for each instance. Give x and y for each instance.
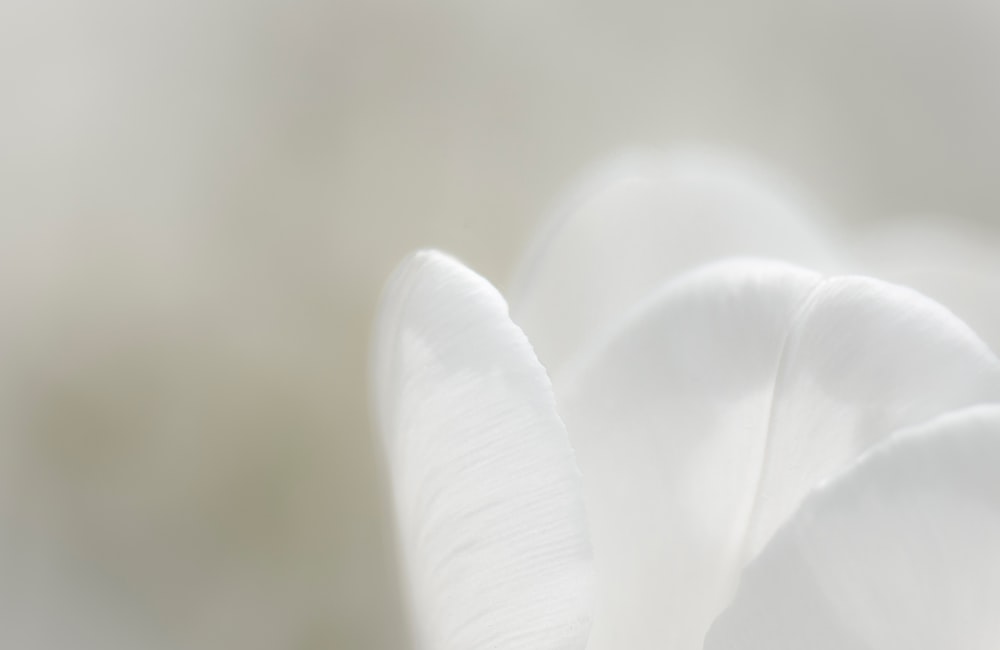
(769, 457)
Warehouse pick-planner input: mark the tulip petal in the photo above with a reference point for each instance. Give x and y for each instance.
(954, 263)
(639, 224)
(491, 523)
(702, 423)
(901, 551)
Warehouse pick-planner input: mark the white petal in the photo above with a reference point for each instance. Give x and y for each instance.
(903, 551)
(490, 516)
(952, 262)
(639, 224)
(703, 422)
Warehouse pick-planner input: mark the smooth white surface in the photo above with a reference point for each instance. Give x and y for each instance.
(490, 517)
(702, 423)
(902, 551)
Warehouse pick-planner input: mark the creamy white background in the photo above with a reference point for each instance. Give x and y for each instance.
(199, 202)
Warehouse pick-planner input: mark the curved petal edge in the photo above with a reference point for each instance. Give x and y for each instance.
(490, 520)
(900, 551)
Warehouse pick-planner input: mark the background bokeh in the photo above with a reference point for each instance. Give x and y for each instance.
(200, 199)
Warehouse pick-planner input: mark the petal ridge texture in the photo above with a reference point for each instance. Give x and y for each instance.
(490, 519)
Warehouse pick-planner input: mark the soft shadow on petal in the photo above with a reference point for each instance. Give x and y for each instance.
(643, 220)
(902, 551)
(491, 524)
(704, 420)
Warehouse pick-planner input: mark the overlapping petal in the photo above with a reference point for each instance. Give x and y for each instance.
(903, 551)
(641, 222)
(490, 516)
(703, 411)
(706, 418)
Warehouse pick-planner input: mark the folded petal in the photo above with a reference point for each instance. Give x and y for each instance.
(902, 551)
(701, 424)
(491, 524)
(639, 223)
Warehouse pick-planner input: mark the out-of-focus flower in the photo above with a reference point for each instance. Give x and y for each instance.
(768, 456)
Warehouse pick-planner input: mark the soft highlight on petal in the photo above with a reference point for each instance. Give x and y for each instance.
(902, 551)
(491, 525)
(643, 221)
(705, 419)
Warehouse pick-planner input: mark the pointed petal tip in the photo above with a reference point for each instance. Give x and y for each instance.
(419, 261)
(418, 266)
(490, 520)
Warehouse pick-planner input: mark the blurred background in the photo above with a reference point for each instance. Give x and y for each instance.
(200, 200)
